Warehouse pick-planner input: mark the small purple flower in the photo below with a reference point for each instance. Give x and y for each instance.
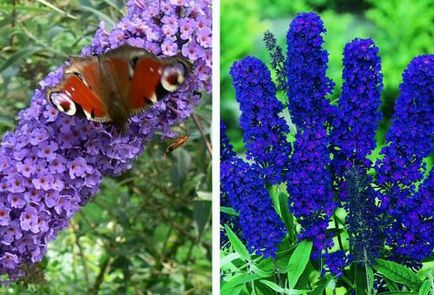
(192, 51)
(16, 184)
(187, 27)
(47, 150)
(51, 198)
(4, 216)
(16, 201)
(204, 37)
(29, 219)
(26, 168)
(11, 233)
(43, 181)
(38, 135)
(9, 260)
(169, 47)
(79, 168)
(57, 165)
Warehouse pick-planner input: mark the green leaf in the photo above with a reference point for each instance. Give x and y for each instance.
(201, 214)
(397, 293)
(18, 55)
(236, 281)
(360, 278)
(118, 8)
(298, 261)
(426, 288)
(100, 15)
(398, 273)
(296, 292)
(229, 211)
(287, 217)
(321, 285)
(180, 171)
(391, 285)
(274, 194)
(228, 259)
(273, 286)
(261, 272)
(236, 243)
(370, 275)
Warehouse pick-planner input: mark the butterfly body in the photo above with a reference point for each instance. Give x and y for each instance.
(116, 85)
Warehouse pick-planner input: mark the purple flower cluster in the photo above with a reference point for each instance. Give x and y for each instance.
(264, 130)
(355, 124)
(244, 185)
(410, 140)
(52, 164)
(306, 66)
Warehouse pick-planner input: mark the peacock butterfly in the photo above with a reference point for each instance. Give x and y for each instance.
(116, 85)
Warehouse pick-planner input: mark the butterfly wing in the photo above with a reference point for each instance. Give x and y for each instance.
(139, 78)
(154, 78)
(77, 94)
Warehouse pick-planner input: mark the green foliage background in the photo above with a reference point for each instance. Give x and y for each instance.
(146, 232)
(402, 29)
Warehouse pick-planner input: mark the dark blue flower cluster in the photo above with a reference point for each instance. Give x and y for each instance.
(306, 69)
(329, 167)
(355, 124)
(409, 141)
(244, 185)
(309, 179)
(310, 188)
(226, 154)
(264, 130)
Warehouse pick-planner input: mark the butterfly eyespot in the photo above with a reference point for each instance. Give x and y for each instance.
(63, 103)
(173, 77)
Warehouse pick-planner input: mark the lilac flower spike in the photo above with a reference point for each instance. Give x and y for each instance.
(52, 164)
(264, 130)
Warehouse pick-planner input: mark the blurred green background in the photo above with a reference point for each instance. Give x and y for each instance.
(402, 29)
(146, 232)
